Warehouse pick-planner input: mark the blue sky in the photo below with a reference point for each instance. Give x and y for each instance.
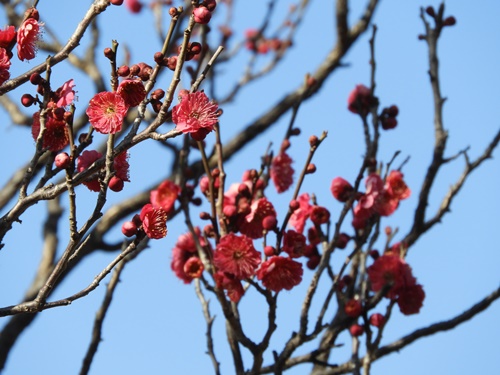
(155, 323)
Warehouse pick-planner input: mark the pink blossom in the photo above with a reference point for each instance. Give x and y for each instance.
(165, 195)
(251, 224)
(132, 91)
(230, 284)
(134, 6)
(282, 172)
(56, 135)
(154, 221)
(27, 37)
(278, 273)
(202, 15)
(7, 36)
(359, 100)
(237, 256)
(294, 244)
(195, 113)
(106, 112)
(301, 214)
(84, 161)
(65, 93)
(4, 66)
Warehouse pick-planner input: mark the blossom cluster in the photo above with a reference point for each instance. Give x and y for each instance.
(380, 198)
(152, 221)
(26, 38)
(390, 270)
(256, 42)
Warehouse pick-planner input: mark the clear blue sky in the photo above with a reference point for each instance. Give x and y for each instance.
(155, 323)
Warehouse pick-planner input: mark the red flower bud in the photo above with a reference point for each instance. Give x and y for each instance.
(313, 140)
(62, 160)
(341, 189)
(353, 308)
(158, 94)
(202, 15)
(313, 262)
(36, 79)
(27, 100)
(205, 215)
(269, 251)
(269, 222)
(342, 241)
(356, 330)
(129, 228)
(294, 205)
(116, 184)
(117, 2)
(377, 320)
(311, 168)
(230, 210)
(393, 111)
(319, 215)
(134, 70)
(123, 71)
(108, 52)
(449, 21)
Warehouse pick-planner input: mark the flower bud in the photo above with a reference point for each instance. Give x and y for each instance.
(269, 222)
(294, 205)
(36, 79)
(342, 241)
(62, 160)
(449, 21)
(210, 4)
(158, 57)
(173, 12)
(393, 110)
(116, 184)
(313, 141)
(129, 228)
(202, 15)
(27, 100)
(377, 320)
(172, 62)
(269, 251)
(116, 2)
(134, 70)
(229, 210)
(341, 189)
(158, 94)
(123, 71)
(313, 262)
(205, 215)
(196, 201)
(108, 52)
(195, 48)
(59, 113)
(32, 13)
(356, 330)
(353, 308)
(311, 168)
(430, 11)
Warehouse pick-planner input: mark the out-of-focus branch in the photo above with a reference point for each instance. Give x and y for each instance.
(16, 324)
(101, 313)
(16, 115)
